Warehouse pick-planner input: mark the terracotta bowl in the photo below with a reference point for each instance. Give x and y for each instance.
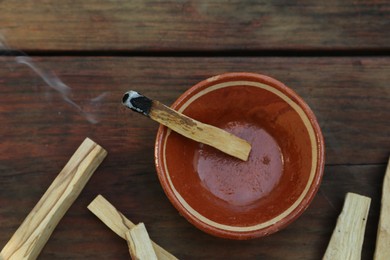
(230, 198)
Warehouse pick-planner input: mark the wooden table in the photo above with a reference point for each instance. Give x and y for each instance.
(335, 54)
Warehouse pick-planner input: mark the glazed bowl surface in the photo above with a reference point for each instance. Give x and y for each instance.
(225, 196)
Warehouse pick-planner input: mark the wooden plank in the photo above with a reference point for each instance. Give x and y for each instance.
(80, 236)
(195, 25)
(382, 250)
(347, 238)
(32, 235)
(345, 94)
(348, 95)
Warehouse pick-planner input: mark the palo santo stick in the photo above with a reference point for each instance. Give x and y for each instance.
(140, 246)
(188, 127)
(347, 238)
(32, 235)
(382, 250)
(118, 223)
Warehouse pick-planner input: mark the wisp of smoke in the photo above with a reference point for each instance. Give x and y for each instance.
(55, 83)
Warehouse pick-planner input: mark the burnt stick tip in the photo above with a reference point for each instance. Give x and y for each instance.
(137, 102)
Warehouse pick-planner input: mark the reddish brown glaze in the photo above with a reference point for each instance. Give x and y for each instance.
(237, 182)
(225, 190)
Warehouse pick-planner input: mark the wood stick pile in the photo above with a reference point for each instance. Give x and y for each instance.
(32, 235)
(121, 226)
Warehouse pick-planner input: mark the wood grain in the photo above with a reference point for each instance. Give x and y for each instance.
(349, 96)
(347, 238)
(343, 78)
(34, 232)
(382, 250)
(140, 246)
(200, 132)
(195, 25)
(118, 223)
(81, 236)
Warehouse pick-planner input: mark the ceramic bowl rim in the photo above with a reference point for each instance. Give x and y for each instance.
(244, 233)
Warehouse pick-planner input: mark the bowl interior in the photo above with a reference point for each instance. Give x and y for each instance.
(221, 194)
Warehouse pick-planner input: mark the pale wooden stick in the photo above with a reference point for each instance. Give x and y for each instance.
(118, 223)
(347, 238)
(140, 246)
(32, 235)
(188, 127)
(110, 216)
(382, 250)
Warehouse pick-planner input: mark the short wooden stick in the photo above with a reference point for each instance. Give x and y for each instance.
(118, 223)
(382, 250)
(347, 238)
(200, 132)
(140, 246)
(33, 233)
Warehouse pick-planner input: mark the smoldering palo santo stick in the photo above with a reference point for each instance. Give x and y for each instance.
(188, 127)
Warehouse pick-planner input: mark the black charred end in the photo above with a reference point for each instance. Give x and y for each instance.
(141, 104)
(137, 102)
